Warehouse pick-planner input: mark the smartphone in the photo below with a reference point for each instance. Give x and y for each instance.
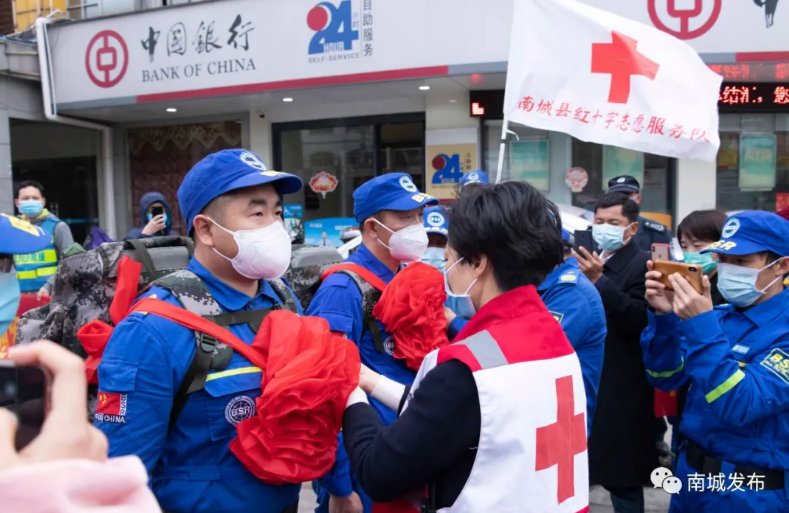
(661, 251)
(157, 211)
(692, 272)
(25, 391)
(583, 239)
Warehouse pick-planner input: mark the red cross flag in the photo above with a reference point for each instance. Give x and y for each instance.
(607, 79)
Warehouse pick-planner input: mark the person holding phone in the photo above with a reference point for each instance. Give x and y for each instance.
(155, 217)
(736, 356)
(622, 450)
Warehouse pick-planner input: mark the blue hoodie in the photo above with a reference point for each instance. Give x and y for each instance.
(147, 199)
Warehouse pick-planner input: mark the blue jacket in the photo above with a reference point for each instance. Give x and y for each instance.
(191, 466)
(339, 301)
(146, 201)
(737, 362)
(575, 303)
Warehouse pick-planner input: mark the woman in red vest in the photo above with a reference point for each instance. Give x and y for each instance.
(496, 420)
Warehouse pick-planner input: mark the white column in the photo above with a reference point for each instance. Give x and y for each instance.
(696, 184)
(260, 138)
(6, 182)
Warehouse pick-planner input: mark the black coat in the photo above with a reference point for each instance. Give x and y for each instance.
(622, 450)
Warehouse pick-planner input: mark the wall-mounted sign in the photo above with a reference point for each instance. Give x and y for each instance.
(757, 162)
(754, 97)
(576, 179)
(529, 162)
(323, 183)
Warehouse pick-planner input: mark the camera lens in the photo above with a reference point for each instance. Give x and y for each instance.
(693, 269)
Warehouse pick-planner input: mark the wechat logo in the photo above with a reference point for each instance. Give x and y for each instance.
(663, 478)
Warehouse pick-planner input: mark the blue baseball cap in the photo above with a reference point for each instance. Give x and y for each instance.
(478, 176)
(752, 231)
(566, 235)
(392, 191)
(226, 171)
(436, 221)
(19, 237)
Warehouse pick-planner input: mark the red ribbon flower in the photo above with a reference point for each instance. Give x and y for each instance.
(412, 308)
(308, 376)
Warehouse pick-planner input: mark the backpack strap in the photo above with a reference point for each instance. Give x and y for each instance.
(370, 286)
(212, 352)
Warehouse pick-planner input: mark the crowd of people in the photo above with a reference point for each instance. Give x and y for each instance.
(545, 384)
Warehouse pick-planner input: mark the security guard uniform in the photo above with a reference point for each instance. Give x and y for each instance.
(649, 231)
(146, 361)
(339, 301)
(574, 301)
(734, 424)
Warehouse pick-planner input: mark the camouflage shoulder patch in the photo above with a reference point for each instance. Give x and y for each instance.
(778, 363)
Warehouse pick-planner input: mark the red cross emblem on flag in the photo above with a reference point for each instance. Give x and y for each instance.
(621, 59)
(558, 443)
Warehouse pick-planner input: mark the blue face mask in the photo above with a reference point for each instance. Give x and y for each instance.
(461, 304)
(31, 208)
(434, 257)
(737, 284)
(703, 260)
(9, 299)
(609, 237)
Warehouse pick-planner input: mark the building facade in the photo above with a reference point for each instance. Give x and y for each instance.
(342, 90)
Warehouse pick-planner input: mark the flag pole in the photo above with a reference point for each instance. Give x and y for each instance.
(504, 127)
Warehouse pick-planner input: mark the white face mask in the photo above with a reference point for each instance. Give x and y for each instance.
(407, 244)
(263, 253)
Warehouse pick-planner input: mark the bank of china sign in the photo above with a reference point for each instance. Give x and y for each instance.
(212, 48)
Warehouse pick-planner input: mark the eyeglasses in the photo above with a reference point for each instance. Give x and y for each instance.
(6, 263)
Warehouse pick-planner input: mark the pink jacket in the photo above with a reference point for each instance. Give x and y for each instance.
(78, 486)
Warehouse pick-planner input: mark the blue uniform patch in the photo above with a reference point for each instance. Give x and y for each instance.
(568, 278)
(239, 408)
(778, 362)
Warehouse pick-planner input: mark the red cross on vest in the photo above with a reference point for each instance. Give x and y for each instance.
(558, 443)
(621, 59)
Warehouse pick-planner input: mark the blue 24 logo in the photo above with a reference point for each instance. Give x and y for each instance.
(333, 28)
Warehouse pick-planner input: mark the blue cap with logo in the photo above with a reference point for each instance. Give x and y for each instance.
(752, 231)
(392, 191)
(478, 176)
(436, 221)
(19, 237)
(225, 171)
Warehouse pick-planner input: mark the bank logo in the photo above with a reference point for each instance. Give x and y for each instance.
(334, 26)
(106, 58)
(686, 19)
(447, 168)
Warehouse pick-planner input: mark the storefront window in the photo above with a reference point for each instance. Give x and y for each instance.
(344, 154)
(753, 162)
(604, 162)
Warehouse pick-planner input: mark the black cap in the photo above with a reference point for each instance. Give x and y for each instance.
(624, 183)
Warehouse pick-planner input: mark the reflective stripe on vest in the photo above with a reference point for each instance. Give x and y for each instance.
(34, 269)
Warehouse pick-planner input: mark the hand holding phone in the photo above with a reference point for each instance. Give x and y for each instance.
(583, 239)
(692, 273)
(65, 432)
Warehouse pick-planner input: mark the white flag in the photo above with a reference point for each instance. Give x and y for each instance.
(610, 80)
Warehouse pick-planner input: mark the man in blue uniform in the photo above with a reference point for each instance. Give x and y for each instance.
(735, 425)
(233, 206)
(649, 231)
(389, 211)
(575, 303)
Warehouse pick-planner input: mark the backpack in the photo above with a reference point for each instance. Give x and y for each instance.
(85, 296)
(310, 265)
(96, 237)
